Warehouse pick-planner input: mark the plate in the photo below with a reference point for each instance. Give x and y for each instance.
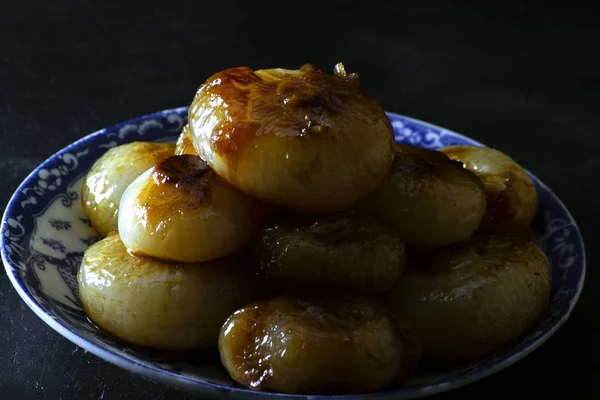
(45, 231)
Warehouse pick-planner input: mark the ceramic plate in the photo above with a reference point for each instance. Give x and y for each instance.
(45, 231)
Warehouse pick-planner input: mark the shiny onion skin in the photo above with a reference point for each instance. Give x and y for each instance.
(473, 298)
(184, 143)
(431, 200)
(111, 174)
(348, 252)
(163, 305)
(335, 345)
(511, 196)
(180, 210)
(303, 139)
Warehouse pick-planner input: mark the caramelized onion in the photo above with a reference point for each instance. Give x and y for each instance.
(180, 210)
(510, 193)
(335, 345)
(428, 198)
(303, 139)
(349, 252)
(473, 298)
(170, 306)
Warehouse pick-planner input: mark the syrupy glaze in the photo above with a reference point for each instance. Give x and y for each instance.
(184, 170)
(180, 210)
(303, 139)
(178, 185)
(244, 334)
(275, 102)
(184, 143)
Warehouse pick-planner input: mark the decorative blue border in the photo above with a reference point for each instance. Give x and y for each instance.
(554, 227)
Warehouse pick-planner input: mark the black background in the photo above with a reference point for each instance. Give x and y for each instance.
(520, 78)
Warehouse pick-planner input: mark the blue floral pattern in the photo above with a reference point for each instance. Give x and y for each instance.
(55, 245)
(59, 225)
(29, 253)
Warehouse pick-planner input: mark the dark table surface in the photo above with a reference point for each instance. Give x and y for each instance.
(520, 79)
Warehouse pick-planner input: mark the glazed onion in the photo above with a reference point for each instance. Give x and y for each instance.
(428, 198)
(336, 345)
(149, 302)
(350, 252)
(473, 298)
(180, 210)
(302, 139)
(511, 196)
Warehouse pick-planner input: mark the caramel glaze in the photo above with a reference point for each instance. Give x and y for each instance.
(278, 102)
(183, 181)
(247, 359)
(182, 171)
(184, 143)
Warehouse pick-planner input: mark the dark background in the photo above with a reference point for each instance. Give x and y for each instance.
(520, 78)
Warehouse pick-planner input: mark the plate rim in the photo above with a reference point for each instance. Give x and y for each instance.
(451, 382)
